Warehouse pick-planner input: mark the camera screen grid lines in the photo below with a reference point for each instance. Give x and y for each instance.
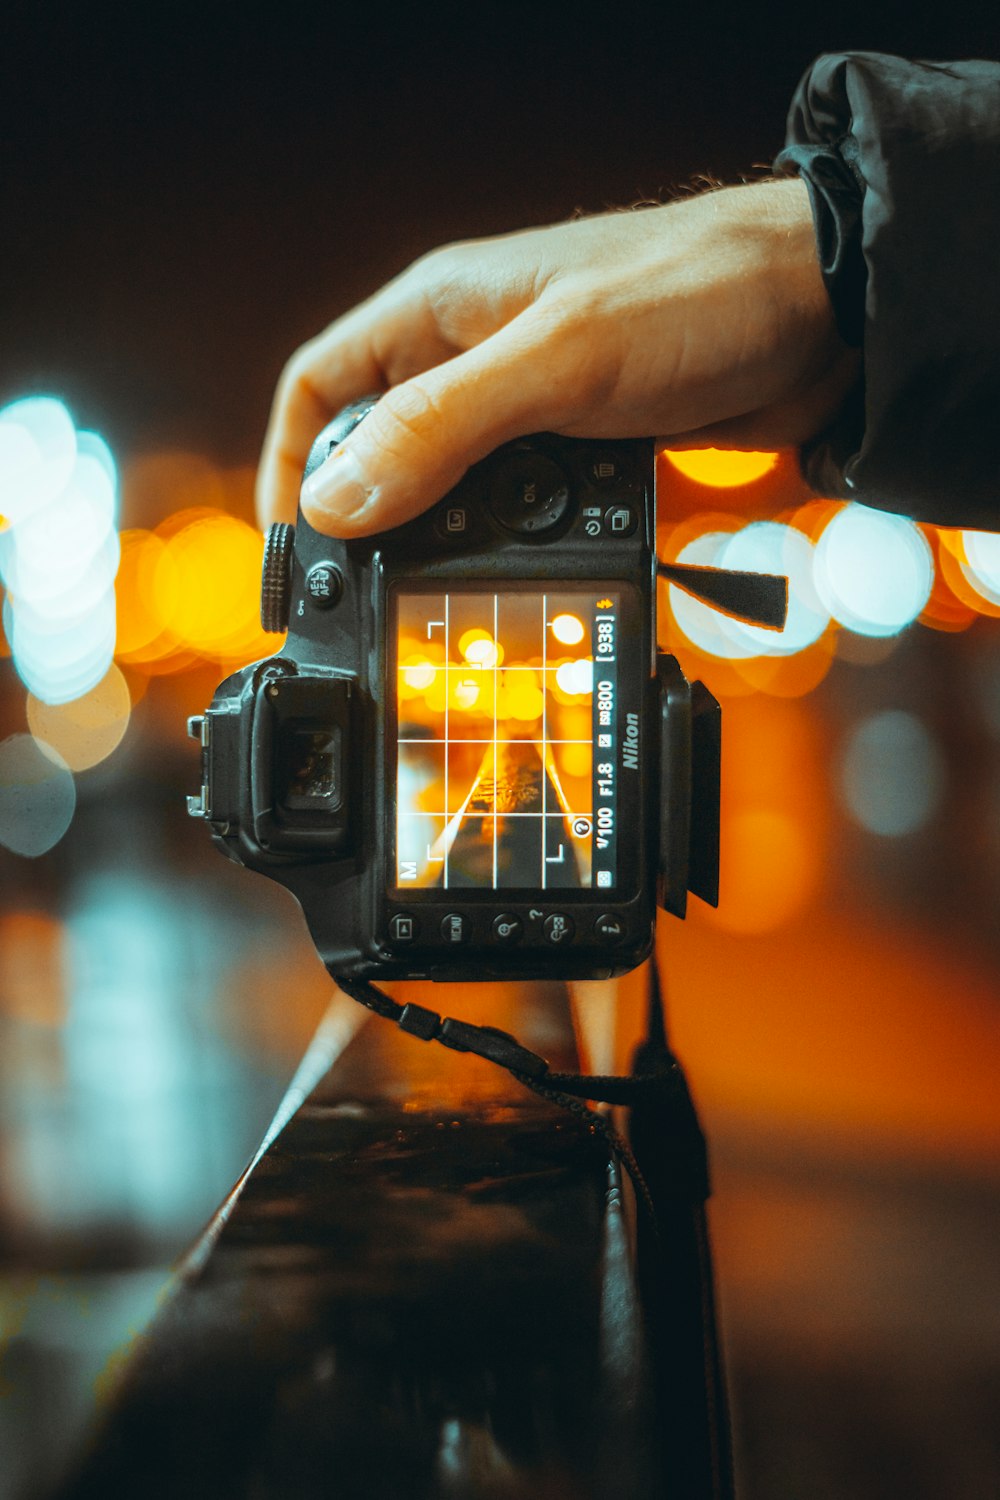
(495, 738)
(447, 633)
(496, 637)
(543, 881)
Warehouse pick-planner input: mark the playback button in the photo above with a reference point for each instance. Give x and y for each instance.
(403, 928)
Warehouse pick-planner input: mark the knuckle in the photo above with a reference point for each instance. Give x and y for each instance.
(295, 373)
(572, 340)
(410, 416)
(440, 264)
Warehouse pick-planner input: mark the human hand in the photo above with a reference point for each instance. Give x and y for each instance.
(704, 321)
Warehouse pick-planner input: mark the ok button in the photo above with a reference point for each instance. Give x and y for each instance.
(529, 493)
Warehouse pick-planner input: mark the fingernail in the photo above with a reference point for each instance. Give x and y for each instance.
(338, 486)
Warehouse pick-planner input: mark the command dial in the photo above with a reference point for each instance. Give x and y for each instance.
(276, 577)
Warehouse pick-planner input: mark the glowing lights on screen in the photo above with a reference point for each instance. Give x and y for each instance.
(576, 678)
(568, 630)
(479, 647)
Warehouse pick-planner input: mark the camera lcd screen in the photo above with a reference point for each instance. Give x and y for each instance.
(508, 738)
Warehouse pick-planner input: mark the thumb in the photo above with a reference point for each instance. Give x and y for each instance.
(423, 435)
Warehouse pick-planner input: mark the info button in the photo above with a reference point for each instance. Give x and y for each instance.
(609, 928)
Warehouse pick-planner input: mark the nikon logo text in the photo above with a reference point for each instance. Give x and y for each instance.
(630, 748)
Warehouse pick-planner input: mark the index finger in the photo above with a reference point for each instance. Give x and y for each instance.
(389, 338)
(304, 401)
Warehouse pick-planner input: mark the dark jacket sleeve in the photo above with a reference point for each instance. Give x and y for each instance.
(902, 162)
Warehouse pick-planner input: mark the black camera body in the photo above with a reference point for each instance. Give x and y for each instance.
(469, 761)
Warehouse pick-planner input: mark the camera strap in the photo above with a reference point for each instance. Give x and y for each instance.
(655, 1092)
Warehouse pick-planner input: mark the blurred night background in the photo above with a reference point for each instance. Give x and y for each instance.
(187, 194)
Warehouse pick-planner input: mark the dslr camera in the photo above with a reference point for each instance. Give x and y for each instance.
(469, 761)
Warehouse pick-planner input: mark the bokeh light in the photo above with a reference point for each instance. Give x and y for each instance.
(142, 637)
(206, 585)
(479, 647)
(874, 571)
(62, 661)
(576, 677)
(770, 864)
(37, 796)
(892, 773)
(981, 565)
(33, 968)
(190, 591)
(953, 604)
(417, 674)
(38, 449)
(770, 547)
(59, 549)
(568, 629)
(702, 624)
(87, 729)
(721, 468)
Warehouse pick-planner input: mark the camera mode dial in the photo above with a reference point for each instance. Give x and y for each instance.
(276, 577)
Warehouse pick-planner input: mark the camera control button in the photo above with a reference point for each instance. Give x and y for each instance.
(507, 928)
(529, 493)
(324, 585)
(276, 577)
(609, 929)
(620, 520)
(403, 928)
(605, 468)
(455, 928)
(453, 522)
(558, 928)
